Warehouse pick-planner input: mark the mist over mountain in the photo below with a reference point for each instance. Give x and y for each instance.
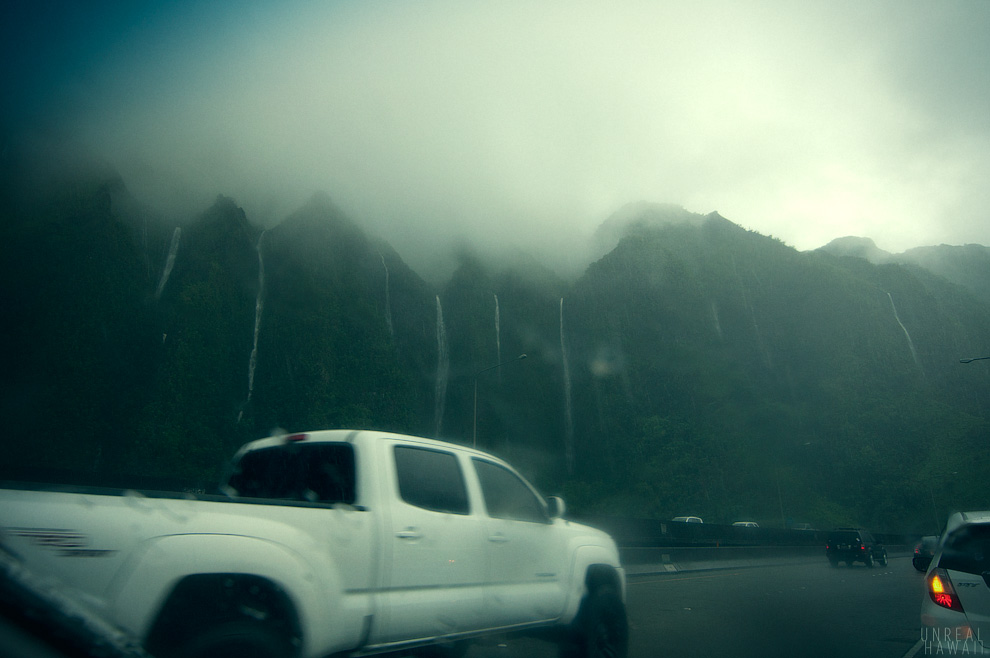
(855, 247)
(639, 217)
(692, 367)
(965, 265)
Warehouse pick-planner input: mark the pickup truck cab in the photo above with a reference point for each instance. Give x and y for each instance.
(331, 542)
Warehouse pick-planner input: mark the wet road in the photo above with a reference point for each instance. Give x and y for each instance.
(808, 609)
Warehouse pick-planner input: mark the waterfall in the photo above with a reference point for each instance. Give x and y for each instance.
(914, 355)
(443, 369)
(259, 305)
(498, 339)
(718, 324)
(173, 249)
(761, 346)
(568, 419)
(388, 304)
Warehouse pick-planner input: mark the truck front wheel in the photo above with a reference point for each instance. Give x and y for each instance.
(600, 629)
(236, 639)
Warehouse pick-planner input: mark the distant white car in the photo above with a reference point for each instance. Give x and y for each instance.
(955, 610)
(746, 524)
(688, 519)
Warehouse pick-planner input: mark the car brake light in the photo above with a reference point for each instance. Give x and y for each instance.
(292, 438)
(941, 591)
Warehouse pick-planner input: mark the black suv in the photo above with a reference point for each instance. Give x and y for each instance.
(854, 545)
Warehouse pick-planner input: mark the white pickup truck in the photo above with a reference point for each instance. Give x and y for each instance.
(330, 542)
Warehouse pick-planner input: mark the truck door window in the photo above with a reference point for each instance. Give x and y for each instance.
(431, 479)
(506, 496)
(317, 473)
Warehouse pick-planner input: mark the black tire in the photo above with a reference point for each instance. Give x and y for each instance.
(600, 629)
(237, 639)
(834, 563)
(883, 559)
(869, 560)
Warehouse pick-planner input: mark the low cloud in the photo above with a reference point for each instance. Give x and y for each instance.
(519, 124)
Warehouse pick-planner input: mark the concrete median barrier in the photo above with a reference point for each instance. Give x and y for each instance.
(661, 560)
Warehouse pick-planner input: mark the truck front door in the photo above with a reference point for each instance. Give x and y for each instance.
(528, 554)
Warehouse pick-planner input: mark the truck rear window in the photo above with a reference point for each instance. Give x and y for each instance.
(315, 472)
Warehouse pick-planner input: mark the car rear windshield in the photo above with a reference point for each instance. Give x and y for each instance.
(844, 537)
(967, 550)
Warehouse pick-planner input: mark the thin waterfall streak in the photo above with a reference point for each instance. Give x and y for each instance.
(388, 303)
(259, 307)
(914, 354)
(443, 370)
(568, 418)
(498, 339)
(173, 250)
(144, 245)
(759, 337)
(756, 332)
(715, 318)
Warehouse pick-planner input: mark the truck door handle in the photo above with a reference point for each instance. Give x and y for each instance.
(409, 533)
(498, 538)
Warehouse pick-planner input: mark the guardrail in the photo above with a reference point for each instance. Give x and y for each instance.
(638, 555)
(634, 533)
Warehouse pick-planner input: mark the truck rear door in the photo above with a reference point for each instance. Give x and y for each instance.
(435, 559)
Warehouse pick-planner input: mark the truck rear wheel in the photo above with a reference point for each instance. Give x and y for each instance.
(237, 639)
(600, 629)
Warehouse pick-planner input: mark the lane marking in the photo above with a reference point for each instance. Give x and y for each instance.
(670, 579)
(915, 649)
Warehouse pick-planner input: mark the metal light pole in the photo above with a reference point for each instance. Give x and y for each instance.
(474, 432)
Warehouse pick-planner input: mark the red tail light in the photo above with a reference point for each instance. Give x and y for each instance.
(941, 591)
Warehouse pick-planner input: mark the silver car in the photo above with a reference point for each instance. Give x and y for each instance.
(955, 611)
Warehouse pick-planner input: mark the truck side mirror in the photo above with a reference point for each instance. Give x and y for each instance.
(556, 507)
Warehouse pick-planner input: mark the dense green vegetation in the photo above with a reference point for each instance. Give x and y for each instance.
(712, 370)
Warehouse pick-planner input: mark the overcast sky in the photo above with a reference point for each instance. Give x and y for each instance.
(529, 121)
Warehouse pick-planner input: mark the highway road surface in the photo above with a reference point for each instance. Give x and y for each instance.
(809, 609)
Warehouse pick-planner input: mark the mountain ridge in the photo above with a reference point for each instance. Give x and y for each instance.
(660, 380)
